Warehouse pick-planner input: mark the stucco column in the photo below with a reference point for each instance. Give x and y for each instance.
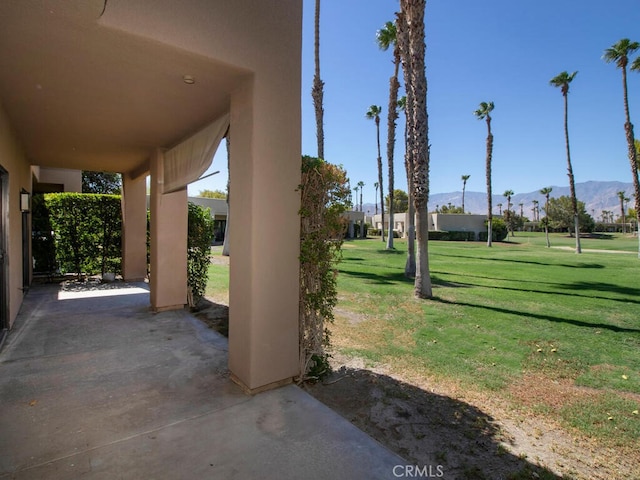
(134, 228)
(168, 265)
(264, 234)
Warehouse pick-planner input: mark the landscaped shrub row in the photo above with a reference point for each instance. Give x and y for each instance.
(87, 232)
(452, 236)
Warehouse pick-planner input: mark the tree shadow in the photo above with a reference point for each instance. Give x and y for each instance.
(391, 278)
(428, 430)
(576, 286)
(605, 287)
(539, 316)
(528, 262)
(214, 315)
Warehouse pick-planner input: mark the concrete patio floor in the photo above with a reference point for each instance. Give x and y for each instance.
(94, 385)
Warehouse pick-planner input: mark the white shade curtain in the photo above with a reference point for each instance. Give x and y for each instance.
(186, 162)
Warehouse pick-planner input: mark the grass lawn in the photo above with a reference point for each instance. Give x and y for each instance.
(507, 320)
(545, 330)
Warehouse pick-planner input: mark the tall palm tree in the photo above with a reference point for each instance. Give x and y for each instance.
(483, 112)
(508, 194)
(385, 38)
(619, 53)
(357, 189)
(464, 187)
(376, 185)
(374, 114)
(412, 51)
(521, 205)
(361, 185)
(562, 81)
(622, 196)
(546, 191)
(535, 210)
(317, 90)
(499, 205)
(410, 265)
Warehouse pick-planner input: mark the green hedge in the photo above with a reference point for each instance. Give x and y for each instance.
(200, 236)
(498, 231)
(453, 236)
(87, 232)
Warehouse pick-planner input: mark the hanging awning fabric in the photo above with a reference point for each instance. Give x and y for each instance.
(186, 162)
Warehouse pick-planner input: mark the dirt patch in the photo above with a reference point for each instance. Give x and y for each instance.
(458, 434)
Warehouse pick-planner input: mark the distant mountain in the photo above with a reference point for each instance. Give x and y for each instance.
(597, 196)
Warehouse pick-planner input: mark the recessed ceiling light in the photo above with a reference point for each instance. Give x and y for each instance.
(188, 79)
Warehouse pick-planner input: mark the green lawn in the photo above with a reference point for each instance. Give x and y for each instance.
(515, 314)
(503, 313)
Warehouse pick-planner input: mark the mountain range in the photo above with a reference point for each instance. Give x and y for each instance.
(597, 196)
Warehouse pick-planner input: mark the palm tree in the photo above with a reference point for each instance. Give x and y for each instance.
(562, 81)
(410, 265)
(464, 186)
(535, 210)
(317, 89)
(385, 38)
(546, 191)
(499, 205)
(376, 185)
(508, 194)
(623, 198)
(521, 212)
(484, 113)
(361, 185)
(412, 50)
(357, 189)
(374, 114)
(619, 53)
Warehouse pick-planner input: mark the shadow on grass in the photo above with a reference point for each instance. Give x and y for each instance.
(605, 287)
(528, 262)
(428, 430)
(391, 278)
(550, 318)
(577, 286)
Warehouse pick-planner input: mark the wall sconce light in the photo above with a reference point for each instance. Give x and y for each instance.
(25, 201)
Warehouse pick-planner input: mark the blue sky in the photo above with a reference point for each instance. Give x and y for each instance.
(503, 51)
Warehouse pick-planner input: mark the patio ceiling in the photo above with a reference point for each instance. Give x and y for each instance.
(84, 96)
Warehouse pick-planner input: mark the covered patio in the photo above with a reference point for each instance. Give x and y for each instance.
(94, 385)
(148, 88)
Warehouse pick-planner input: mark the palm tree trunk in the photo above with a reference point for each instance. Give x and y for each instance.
(572, 184)
(412, 47)
(464, 186)
(317, 90)
(410, 266)
(489, 194)
(394, 85)
(546, 223)
(380, 178)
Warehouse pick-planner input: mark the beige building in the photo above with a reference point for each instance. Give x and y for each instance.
(444, 222)
(148, 88)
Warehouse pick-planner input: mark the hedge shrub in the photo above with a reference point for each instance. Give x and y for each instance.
(453, 236)
(87, 232)
(498, 231)
(200, 236)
